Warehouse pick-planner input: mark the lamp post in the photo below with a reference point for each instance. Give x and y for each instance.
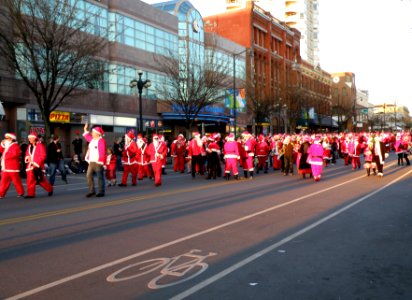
(234, 55)
(140, 84)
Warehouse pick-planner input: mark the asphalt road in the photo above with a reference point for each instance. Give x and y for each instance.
(274, 237)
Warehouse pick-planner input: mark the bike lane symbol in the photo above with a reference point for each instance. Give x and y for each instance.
(173, 270)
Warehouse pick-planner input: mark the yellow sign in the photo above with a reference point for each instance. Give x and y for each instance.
(60, 117)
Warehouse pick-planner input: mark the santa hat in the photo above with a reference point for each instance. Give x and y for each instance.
(261, 137)
(32, 135)
(130, 134)
(245, 133)
(231, 137)
(196, 133)
(98, 130)
(139, 136)
(155, 136)
(211, 138)
(317, 140)
(161, 137)
(307, 138)
(180, 136)
(10, 136)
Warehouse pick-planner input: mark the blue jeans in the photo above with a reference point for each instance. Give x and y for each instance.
(95, 168)
(53, 168)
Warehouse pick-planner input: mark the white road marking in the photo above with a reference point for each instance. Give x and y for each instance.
(180, 240)
(272, 247)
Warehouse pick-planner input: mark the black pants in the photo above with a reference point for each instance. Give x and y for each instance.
(197, 160)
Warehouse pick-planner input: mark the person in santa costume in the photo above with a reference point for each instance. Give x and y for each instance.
(213, 157)
(302, 160)
(231, 156)
(249, 144)
(96, 157)
(35, 158)
(143, 158)
(344, 146)
(315, 158)
(178, 152)
(157, 150)
(368, 153)
(10, 165)
(110, 167)
(276, 147)
(406, 141)
(355, 151)
(262, 153)
(379, 154)
(164, 162)
(195, 153)
(129, 159)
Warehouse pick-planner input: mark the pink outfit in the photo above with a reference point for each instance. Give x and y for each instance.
(231, 155)
(100, 157)
(315, 158)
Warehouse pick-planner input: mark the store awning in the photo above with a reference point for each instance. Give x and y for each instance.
(199, 117)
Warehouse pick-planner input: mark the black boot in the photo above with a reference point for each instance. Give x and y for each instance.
(368, 171)
(236, 177)
(227, 177)
(251, 174)
(245, 174)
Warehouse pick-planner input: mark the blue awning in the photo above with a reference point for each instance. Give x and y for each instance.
(199, 117)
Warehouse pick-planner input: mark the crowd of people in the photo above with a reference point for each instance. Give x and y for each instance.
(210, 155)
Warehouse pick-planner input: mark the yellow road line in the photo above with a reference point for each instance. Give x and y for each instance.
(82, 208)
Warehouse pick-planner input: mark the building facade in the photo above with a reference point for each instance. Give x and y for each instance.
(138, 32)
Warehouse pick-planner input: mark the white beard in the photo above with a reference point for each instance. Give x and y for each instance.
(155, 143)
(199, 141)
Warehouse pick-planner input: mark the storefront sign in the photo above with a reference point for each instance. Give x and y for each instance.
(60, 117)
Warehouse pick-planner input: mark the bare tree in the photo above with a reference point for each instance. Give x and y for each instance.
(193, 82)
(52, 47)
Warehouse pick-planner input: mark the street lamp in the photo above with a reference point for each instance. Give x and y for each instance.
(140, 84)
(234, 55)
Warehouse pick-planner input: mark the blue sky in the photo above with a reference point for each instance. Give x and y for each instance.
(371, 38)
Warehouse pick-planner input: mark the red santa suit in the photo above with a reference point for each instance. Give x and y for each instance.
(355, 151)
(275, 147)
(10, 167)
(35, 158)
(129, 159)
(111, 168)
(315, 158)
(249, 146)
(345, 150)
(262, 153)
(143, 159)
(178, 151)
(157, 150)
(195, 154)
(231, 156)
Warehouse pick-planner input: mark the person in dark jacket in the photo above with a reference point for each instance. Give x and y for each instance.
(55, 160)
(78, 146)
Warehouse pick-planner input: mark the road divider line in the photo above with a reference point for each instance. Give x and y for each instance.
(183, 239)
(272, 247)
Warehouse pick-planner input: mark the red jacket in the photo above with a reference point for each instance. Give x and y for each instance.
(157, 153)
(10, 159)
(35, 156)
(101, 147)
(111, 162)
(194, 148)
(262, 149)
(130, 154)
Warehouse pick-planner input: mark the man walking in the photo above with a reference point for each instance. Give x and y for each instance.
(96, 157)
(55, 160)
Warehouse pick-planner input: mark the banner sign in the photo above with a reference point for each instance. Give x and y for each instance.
(60, 117)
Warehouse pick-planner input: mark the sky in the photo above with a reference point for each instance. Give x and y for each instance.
(371, 38)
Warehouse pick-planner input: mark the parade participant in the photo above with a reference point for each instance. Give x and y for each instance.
(327, 154)
(220, 143)
(96, 157)
(287, 150)
(315, 158)
(178, 151)
(35, 159)
(143, 159)
(379, 154)
(399, 148)
(110, 167)
(302, 160)
(345, 149)
(213, 157)
(249, 147)
(276, 147)
(118, 151)
(406, 146)
(164, 162)
(157, 151)
(368, 153)
(262, 153)
(195, 152)
(55, 160)
(355, 151)
(231, 156)
(129, 159)
(10, 165)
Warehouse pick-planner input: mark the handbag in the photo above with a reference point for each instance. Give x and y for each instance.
(38, 175)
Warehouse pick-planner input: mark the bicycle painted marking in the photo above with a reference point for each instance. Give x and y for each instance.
(182, 267)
